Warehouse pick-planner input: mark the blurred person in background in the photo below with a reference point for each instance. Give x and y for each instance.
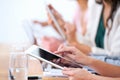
(110, 12)
(79, 20)
(103, 29)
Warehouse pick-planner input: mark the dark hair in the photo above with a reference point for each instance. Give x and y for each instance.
(114, 3)
(99, 1)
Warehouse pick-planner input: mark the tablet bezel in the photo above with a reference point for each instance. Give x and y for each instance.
(30, 53)
(56, 23)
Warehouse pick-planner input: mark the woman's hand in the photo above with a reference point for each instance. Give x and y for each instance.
(70, 31)
(77, 74)
(74, 54)
(44, 24)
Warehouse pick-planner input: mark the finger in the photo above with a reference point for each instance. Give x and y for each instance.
(50, 6)
(55, 12)
(60, 53)
(68, 49)
(50, 21)
(70, 56)
(68, 72)
(59, 50)
(71, 78)
(35, 21)
(60, 47)
(67, 69)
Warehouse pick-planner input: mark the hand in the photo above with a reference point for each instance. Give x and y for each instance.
(77, 74)
(74, 54)
(41, 23)
(51, 43)
(70, 31)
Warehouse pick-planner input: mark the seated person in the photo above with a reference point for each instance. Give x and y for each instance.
(102, 39)
(80, 20)
(102, 68)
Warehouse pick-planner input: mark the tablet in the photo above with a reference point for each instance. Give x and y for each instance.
(56, 23)
(51, 58)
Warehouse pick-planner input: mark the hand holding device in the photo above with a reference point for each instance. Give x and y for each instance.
(57, 20)
(49, 58)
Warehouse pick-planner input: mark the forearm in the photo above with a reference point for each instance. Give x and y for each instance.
(44, 23)
(84, 48)
(104, 69)
(96, 77)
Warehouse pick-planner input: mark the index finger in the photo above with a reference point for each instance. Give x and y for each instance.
(66, 49)
(55, 12)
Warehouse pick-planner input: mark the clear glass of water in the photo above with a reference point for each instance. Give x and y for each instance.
(18, 66)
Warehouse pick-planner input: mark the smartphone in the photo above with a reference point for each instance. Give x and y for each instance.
(51, 58)
(56, 23)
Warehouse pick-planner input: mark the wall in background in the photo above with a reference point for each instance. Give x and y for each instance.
(14, 12)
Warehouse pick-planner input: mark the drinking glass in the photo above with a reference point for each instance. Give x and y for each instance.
(18, 66)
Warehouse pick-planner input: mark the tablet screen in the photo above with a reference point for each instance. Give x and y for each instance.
(47, 55)
(57, 59)
(51, 58)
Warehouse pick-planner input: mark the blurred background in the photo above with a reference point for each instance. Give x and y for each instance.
(14, 13)
(16, 20)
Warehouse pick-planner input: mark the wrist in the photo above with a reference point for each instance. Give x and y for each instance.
(72, 39)
(90, 61)
(93, 77)
(73, 42)
(96, 77)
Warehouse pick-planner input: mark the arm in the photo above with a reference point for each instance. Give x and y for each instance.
(84, 44)
(72, 39)
(95, 50)
(102, 68)
(104, 78)
(41, 23)
(82, 47)
(81, 74)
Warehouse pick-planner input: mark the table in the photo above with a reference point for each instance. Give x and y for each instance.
(34, 66)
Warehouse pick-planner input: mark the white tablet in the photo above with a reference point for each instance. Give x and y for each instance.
(48, 57)
(56, 23)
